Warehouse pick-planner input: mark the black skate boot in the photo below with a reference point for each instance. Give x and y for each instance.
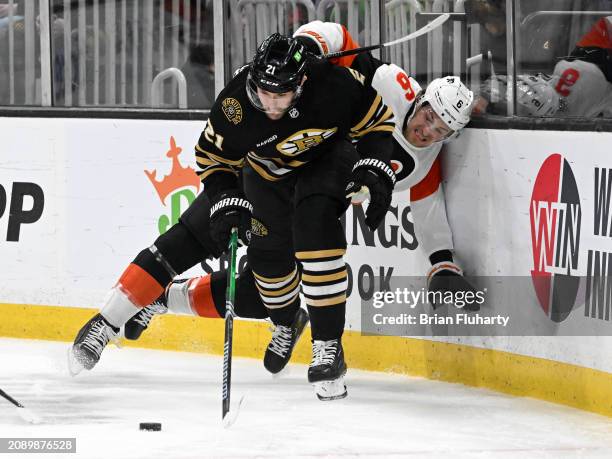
(327, 369)
(134, 327)
(283, 341)
(89, 344)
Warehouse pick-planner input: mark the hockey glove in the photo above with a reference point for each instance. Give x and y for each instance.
(376, 178)
(230, 209)
(445, 280)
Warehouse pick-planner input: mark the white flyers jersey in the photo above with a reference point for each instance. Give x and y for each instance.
(417, 169)
(584, 88)
(399, 92)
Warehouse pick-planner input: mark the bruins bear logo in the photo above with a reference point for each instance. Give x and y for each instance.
(301, 141)
(232, 110)
(258, 229)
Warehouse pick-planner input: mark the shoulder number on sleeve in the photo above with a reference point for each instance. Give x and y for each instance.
(358, 76)
(212, 137)
(404, 82)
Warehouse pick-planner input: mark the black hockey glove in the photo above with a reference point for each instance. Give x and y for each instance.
(230, 209)
(447, 286)
(375, 177)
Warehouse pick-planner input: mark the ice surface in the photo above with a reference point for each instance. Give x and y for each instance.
(383, 416)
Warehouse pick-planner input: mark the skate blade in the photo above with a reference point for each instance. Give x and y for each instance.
(331, 390)
(74, 366)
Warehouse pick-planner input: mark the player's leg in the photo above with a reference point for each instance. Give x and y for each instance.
(320, 245)
(202, 296)
(271, 256)
(144, 280)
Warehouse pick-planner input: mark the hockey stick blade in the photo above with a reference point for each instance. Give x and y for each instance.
(417, 33)
(230, 417)
(24, 413)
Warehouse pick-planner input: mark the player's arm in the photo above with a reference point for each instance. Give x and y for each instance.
(434, 234)
(322, 38)
(219, 165)
(428, 208)
(372, 128)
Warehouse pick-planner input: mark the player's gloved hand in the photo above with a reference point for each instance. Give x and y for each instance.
(446, 277)
(230, 209)
(376, 178)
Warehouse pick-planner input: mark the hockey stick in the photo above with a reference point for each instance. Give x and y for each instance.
(417, 33)
(22, 411)
(230, 296)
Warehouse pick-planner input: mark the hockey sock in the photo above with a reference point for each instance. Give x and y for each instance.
(327, 322)
(280, 295)
(205, 296)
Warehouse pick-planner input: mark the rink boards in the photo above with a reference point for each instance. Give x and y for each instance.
(80, 198)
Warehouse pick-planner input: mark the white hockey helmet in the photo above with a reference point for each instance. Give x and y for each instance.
(536, 96)
(451, 100)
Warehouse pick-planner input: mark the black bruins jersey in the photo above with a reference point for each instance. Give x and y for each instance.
(334, 105)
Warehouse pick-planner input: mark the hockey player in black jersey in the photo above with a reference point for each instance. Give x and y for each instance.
(276, 164)
(418, 138)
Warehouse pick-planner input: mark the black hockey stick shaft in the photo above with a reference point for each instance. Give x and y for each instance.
(230, 296)
(417, 33)
(11, 399)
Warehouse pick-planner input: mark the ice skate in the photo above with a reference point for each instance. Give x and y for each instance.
(89, 344)
(327, 369)
(140, 321)
(283, 341)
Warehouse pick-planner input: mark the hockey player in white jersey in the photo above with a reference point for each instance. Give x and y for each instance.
(583, 80)
(580, 85)
(426, 119)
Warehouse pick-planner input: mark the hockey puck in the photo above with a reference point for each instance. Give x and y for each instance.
(150, 426)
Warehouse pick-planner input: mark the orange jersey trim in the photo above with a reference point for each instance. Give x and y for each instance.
(429, 184)
(347, 44)
(139, 286)
(201, 298)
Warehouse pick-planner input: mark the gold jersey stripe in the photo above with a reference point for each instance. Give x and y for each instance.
(281, 292)
(261, 171)
(219, 159)
(273, 280)
(206, 161)
(327, 301)
(325, 278)
(335, 253)
(368, 116)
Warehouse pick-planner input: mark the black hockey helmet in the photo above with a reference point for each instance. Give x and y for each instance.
(278, 66)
